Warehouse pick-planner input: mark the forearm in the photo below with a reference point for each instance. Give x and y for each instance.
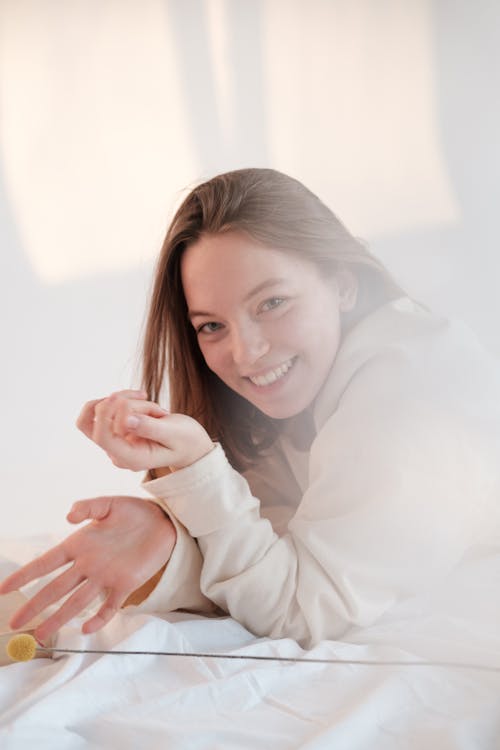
(262, 580)
(177, 584)
(358, 543)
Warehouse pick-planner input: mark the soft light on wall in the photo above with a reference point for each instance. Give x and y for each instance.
(97, 127)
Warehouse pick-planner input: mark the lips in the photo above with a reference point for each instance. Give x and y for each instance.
(273, 374)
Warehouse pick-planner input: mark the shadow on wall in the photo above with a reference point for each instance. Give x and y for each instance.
(53, 334)
(459, 266)
(56, 333)
(77, 340)
(468, 84)
(217, 143)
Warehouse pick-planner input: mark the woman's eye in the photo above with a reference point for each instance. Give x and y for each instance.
(271, 303)
(210, 327)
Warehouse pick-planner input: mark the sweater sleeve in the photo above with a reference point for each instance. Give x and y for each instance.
(178, 586)
(387, 511)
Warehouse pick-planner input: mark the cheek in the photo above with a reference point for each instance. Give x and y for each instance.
(307, 328)
(317, 334)
(214, 357)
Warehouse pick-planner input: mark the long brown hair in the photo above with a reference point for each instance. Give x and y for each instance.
(279, 212)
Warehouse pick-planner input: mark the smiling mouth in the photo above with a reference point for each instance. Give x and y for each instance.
(274, 374)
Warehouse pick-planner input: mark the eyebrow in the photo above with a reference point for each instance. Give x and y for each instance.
(251, 293)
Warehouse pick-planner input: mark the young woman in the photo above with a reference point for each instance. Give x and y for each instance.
(331, 447)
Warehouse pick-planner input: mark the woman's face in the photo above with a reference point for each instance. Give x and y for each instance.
(267, 323)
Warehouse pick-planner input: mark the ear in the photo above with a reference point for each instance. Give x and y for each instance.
(348, 289)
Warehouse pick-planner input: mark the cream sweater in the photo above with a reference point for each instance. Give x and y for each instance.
(402, 480)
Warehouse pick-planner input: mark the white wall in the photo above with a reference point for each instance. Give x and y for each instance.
(110, 108)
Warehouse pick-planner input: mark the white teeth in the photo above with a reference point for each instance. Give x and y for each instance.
(272, 375)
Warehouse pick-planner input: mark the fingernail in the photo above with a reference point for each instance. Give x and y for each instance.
(132, 422)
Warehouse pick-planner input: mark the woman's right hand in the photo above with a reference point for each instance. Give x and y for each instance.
(87, 416)
(139, 435)
(127, 542)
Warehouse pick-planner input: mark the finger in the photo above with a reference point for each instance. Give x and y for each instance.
(126, 396)
(131, 393)
(131, 407)
(141, 406)
(137, 454)
(150, 428)
(72, 607)
(103, 431)
(110, 420)
(46, 563)
(96, 508)
(106, 408)
(85, 420)
(51, 593)
(108, 610)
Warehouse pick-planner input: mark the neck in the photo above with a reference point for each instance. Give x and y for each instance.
(300, 429)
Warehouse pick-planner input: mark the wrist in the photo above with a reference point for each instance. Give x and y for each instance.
(202, 450)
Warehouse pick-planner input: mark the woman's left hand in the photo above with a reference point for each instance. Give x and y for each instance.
(140, 435)
(127, 544)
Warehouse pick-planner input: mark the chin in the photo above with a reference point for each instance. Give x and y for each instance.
(281, 412)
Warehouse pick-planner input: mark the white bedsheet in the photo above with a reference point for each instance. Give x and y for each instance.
(131, 702)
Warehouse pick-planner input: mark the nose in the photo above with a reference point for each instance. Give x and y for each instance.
(248, 345)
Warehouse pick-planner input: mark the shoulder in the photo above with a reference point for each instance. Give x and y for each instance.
(402, 353)
(406, 386)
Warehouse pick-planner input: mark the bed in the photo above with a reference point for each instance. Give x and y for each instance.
(76, 701)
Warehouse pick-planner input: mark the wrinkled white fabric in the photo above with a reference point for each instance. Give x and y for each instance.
(87, 702)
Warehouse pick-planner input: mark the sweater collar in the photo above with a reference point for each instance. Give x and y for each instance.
(359, 345)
